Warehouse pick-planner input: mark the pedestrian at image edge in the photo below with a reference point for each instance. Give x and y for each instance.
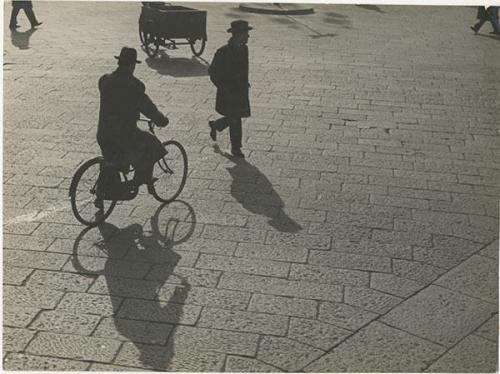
(229, 73)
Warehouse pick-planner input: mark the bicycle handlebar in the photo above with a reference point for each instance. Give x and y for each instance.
(151, 124)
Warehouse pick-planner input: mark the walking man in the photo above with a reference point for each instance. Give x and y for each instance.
(229, 73)
(487, 14)
(17, 5)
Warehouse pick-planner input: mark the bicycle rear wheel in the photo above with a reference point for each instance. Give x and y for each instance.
(171, 173)
(83, 194)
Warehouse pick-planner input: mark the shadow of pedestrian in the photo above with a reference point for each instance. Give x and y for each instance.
(338, 19)
(258, 198)
(21, 40)
(146, 295)
(178, 67)
(370, 7)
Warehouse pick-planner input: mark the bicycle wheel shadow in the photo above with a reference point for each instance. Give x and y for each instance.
(273, 208)
(178, 66)
(147, 297)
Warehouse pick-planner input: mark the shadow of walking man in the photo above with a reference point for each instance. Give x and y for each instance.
(260, 198)
(21, 40)
(147, 296)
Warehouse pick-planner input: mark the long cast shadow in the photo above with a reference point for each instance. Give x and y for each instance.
(146, 295)
(370, 7)
(243, 172)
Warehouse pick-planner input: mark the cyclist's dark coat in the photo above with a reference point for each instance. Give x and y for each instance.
(123, 98)
(229, 72)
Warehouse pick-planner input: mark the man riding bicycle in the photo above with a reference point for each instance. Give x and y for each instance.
(122, 143)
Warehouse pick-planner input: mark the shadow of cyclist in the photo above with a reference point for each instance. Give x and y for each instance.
(241, 172)
(146, 295)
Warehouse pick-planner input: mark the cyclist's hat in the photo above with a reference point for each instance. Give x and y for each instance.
(239, 26)
(128, 56)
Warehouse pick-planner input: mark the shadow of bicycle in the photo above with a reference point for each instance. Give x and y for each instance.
(138, 273)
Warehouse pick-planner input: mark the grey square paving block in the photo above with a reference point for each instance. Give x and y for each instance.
(476, 277)
(345, 316)
(134, 331)
(34, 259)
(326, 274)
(379, 348)
(65, 323)
(394, 285)
(491, 250)
(16, 339)
(440, 315)
(243, 265)
(315, 333)
(232, 320)
(23, 296)
(59, 281)
(157, 311)
(288, 306)
(489, 330)
(286, 354)
(273, 252)
(351, 261)
(471, 355)
(18, 316)
(237, 364)
(370, 299)
(416, 271)
(169, 358)
(15, 276)
(21, 361)
(74, 347)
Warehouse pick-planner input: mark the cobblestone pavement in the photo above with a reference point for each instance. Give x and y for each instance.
(361, 234)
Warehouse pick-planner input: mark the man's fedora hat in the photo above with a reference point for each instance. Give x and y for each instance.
(128, 56)
(239, 26)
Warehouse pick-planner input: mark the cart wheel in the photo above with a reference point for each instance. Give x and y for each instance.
(150, 42)
(197, 46)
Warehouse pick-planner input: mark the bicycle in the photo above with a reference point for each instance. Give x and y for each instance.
(169, 173)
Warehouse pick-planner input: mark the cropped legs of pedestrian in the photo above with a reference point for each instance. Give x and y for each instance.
(235, 132)
(27, 6)
(487, 14)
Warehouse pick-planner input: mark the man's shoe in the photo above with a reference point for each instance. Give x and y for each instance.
(473, 29)
(213, 131)
(237, 153)
(36, 24)
(13, 27)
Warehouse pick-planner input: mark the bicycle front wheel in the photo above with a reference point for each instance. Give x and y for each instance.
(171, 172)
(83, 194)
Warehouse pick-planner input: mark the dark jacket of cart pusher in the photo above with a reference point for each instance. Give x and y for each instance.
(160, 24)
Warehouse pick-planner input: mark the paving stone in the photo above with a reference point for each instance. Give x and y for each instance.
(112, 267)
(59, 281)
(370, 299)
(102, 305)
(350, 261)
(326, 274)
(221, 247)
(236, 364)
(135, 331)
(259, 323)
(440, 315)
(482, 235)
(22, 296)
(379, 348)
(18, 316)
(393, 285)
(243, 265)
(476, 277)
(16, 340)
(106, 367)
(317, 334)
(345, 316)
(416, 271)
(473, 354)
(65, 323)
(489, 330)
(74, 347)
(181, 275)
(408, 237)
(288, 306)
(390, 211)
(286, 253)
(371, 248)
(286, 354)
(21, 361)
(156, 311)
(15, 276)
(280, 287)
(234, 234)
(34, 260)
(298, 240)
(169, 358)
(358, 219)
(32, 243)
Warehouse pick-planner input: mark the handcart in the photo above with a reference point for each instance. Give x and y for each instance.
(160, 24)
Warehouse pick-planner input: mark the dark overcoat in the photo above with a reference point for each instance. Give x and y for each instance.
(229, 72)
(123, 98)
